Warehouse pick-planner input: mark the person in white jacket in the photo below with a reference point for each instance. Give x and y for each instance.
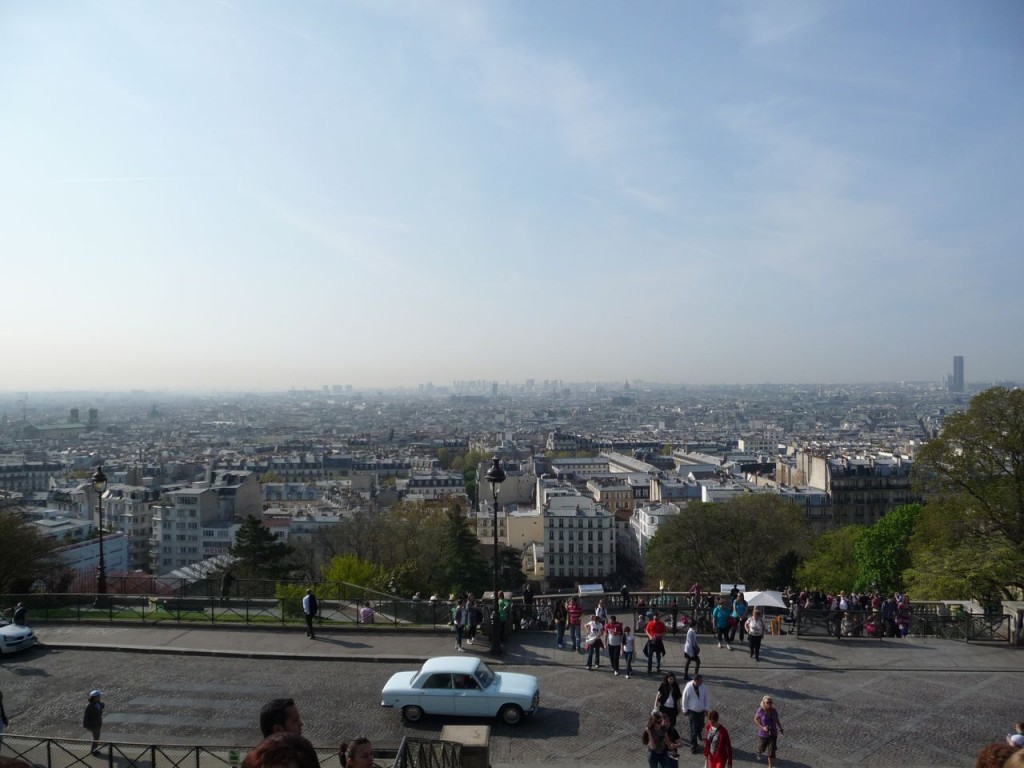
(696, 703)
(691, 650)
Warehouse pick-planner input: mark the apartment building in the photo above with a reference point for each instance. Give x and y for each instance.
(579, 536)
(191, 523)
(28, 476)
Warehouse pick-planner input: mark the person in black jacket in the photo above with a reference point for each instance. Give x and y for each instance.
(669, 699)
(3, 718)
(92, 720)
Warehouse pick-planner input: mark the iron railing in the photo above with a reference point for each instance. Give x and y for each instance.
(44, 752)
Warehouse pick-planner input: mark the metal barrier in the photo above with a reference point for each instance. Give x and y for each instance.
(75, 753)
(959, 625)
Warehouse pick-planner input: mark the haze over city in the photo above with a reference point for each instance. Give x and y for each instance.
(259, 195)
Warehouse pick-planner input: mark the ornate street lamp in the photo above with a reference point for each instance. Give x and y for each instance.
(99, 484)
(495, 476)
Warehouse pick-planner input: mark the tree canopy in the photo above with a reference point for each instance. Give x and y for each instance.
(260, 554)
(24, 553)
(831, 565)
(741, 540)
(970, 538)
(882, 551)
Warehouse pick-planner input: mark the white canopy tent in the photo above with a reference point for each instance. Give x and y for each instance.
(768, 598)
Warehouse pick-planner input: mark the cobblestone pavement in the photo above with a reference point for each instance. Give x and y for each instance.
(909, 703)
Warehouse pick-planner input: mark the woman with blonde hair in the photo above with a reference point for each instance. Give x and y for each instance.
(769, 726)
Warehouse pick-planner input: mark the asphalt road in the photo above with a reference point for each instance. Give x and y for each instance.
(921, 704)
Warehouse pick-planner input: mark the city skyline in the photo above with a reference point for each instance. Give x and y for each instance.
(249, 196)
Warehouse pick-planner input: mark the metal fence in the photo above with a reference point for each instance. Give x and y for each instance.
(958, 625)
(76, 753)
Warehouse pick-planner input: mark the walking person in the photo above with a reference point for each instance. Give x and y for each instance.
(473, 618)
(669, 699)
(459, 622)
(628, 648)
(739, 616)
(504, 610)
(561, 617)
(717, 744)
(310, 608)
(721, 616)
(769, 727)
(613, 634)
(20, 615)
(655, 647)
(696, 702)
(595, 629)
(92, 720)
(691, 650)
(755, 630)
(657, 740)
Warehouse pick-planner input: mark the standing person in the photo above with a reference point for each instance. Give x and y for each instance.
(575, 613)
(717, 744)
(280, 716)
(721, 616)
(528, 606)
(656, 739)
(20, 615)
(691, 650)
(628, 648)
(356, 753)
(602, 611)
(625, 596)
(755, 629)
(560, 616)
(613, 633)
(92, 720)
(669, 699)
(504, 607)
(655, 631)
(696, 702)
(769, 726)
(739, 615)
(595, 629)
(3, 719)
(459, 621)
(310, 608)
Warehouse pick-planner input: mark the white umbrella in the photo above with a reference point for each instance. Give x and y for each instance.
(768, 598)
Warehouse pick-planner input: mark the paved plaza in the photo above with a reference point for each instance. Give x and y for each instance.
(915, 702)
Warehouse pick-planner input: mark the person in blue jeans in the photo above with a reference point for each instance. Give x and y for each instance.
(628, 646)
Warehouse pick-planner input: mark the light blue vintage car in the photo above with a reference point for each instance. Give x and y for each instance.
(463, 686)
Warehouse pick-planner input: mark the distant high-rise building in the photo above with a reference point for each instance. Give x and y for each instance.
(957, 384)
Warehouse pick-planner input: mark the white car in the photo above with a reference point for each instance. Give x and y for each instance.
(463, 686)
(14, 637)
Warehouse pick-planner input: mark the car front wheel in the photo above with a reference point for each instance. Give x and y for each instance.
(511, 714)
(412, 714)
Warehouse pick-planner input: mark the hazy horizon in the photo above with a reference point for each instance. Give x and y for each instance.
(257, 197)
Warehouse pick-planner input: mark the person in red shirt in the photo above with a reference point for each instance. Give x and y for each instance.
(717, 745)
(655, 642)
(575, 611)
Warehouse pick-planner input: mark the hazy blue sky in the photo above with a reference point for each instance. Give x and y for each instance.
(275, 194)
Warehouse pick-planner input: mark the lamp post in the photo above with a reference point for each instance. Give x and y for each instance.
(495, 476)
(99, 484)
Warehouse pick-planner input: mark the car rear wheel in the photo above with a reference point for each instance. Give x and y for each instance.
(511, 714)
(412, 714)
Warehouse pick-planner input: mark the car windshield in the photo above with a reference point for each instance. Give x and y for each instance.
(484, 675)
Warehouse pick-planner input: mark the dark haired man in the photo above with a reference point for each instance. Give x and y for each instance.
(280, 716)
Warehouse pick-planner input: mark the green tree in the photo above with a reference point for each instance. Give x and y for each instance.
(352, 570)
(511, 576)
(831, 565)
(24, 554)
(972, 477)
(883, 550)
(741, 540)
(260, 555)
(463, 568)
